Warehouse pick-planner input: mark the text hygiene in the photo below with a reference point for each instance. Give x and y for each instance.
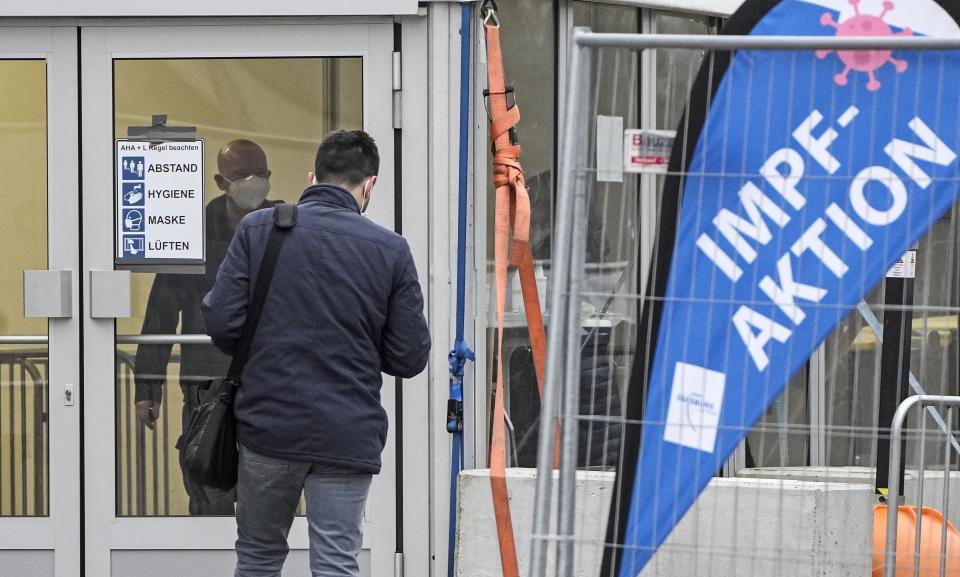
(782, 172)
(172, 194)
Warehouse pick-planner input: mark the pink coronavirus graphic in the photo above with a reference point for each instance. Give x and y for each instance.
(864, 60)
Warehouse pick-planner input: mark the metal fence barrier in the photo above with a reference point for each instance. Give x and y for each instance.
(143, 460)
(933, 548)
(24, 434)
(595, 71)
(148, 477)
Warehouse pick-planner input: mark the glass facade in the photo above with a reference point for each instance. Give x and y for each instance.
(854, 359)
(636, 92)
(651, 92)
(618, 210)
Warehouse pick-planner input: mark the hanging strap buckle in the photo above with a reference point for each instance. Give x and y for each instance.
(511, 95)
(454, 416)
(508, 91)
(488, 10)
(458, 357)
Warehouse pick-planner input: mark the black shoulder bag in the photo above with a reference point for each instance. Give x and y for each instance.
(208, 447)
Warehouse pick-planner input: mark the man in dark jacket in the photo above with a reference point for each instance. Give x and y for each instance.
(174, 301)
(345, 305)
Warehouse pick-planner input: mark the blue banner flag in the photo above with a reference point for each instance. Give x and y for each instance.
(799, 178)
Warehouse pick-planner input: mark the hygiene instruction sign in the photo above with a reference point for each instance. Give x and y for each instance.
(159, 215)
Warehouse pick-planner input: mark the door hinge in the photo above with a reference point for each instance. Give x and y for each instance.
(397, 91)
(398, 565)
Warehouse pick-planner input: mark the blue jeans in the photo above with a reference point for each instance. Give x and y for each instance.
(268, 492)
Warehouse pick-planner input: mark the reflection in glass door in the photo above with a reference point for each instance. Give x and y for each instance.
(259, 117)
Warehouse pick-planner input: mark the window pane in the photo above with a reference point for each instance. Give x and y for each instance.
(530, 67)
(611, 235)
(852, 385)
(24, 439)
(854, 355)
(613, 225)
(676, 68)
(606, 18)
(782, 438)
(284, 106)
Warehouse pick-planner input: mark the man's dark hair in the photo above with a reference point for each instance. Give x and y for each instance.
(346, 158)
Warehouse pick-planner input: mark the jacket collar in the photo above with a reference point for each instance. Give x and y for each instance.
(330, 194)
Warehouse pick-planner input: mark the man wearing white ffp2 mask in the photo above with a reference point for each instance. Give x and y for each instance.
(244, 177)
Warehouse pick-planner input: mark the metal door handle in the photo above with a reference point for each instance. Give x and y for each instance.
(48, 294)
(109, 294)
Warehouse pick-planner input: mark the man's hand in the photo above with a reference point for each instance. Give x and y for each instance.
(148, 412)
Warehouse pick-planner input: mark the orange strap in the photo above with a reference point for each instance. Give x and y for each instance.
(511, 248)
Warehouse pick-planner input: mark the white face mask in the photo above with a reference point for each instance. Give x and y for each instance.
(250, 192)
(365, 194)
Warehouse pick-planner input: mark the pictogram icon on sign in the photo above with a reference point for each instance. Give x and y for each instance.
(133, 246)
(133, 168)
(133, 194)
(133, 220)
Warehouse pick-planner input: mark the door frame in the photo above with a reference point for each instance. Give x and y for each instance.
(60, 531)
(101, 42)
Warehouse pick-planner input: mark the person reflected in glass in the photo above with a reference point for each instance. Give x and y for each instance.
(174, 301)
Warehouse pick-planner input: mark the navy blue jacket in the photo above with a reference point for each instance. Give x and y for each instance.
(345, 305)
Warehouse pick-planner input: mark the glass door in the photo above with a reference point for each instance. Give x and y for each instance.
(261, 98)
(39, 328)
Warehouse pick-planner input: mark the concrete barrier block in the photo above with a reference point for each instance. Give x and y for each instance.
(477, 549)
(851, 475)
(933, 483)
(771, 527)
(739, 527)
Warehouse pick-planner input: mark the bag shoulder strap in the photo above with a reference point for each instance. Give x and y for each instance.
(285, 216)
(284, 219)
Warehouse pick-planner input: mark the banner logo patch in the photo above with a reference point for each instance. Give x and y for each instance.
(695, 405)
